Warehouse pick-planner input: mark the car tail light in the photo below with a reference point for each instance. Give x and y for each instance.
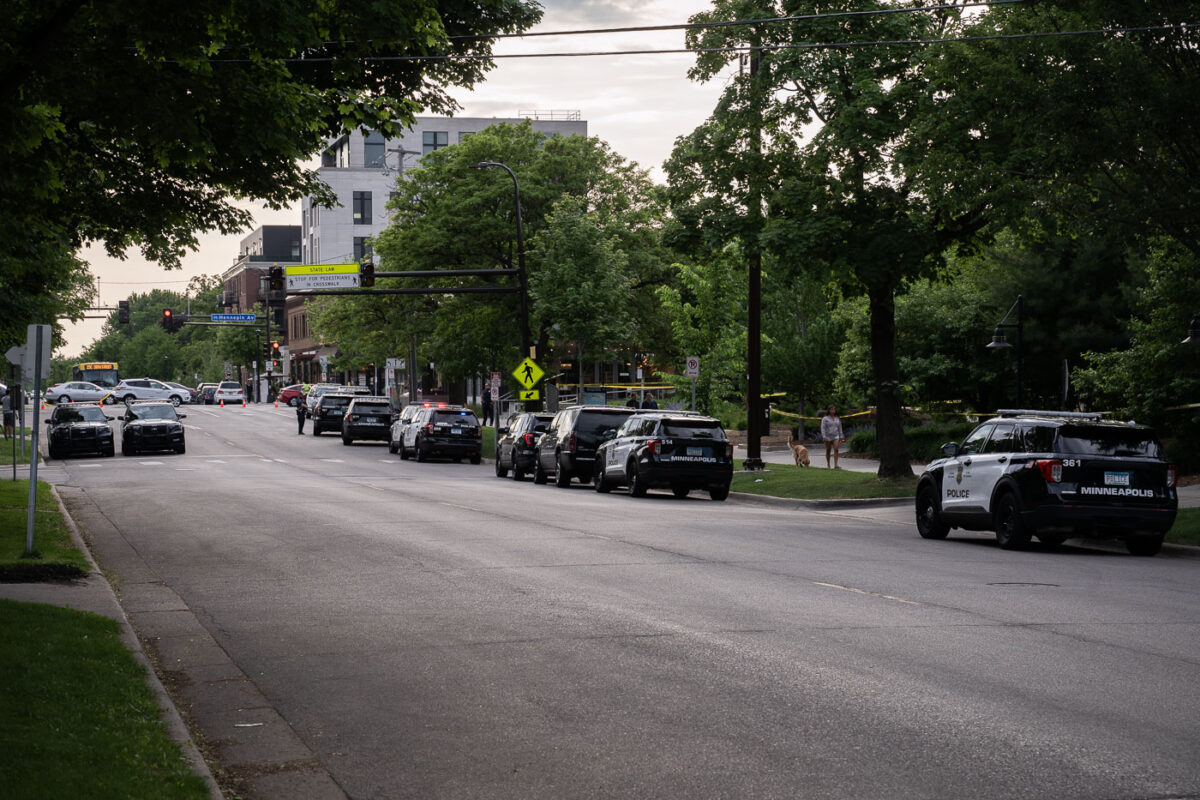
(353, 417)
(1051, 469)
(571, 443)
(429, 428)
(528, 440)
(654, 446)
(729, 450)
(1172, 475)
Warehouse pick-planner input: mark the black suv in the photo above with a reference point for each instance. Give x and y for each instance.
(151, 425)
(444, 431)
(568, 448)
(328, 412)
(1053, 475)
(79, 428)
(367, 417)
(679, 451)
(515, 449)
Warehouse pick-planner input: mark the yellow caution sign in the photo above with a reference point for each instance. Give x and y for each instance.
(530, 394)
(528, 373)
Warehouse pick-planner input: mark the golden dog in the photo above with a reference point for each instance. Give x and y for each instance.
(799, 451)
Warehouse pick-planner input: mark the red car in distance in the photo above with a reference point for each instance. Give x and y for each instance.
(293, 395)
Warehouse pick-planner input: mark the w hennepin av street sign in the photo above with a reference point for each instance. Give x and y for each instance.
(322, 276)
(233, 317)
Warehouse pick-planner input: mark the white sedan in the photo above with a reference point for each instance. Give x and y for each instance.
(229, 392)
(76, 392)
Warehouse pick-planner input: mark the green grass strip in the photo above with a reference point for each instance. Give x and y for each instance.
(6, 452)
(815, 483)
(56, 555)
(1186, 529)
(77, 718)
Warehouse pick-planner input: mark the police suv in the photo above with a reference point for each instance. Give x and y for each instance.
(1053, 475)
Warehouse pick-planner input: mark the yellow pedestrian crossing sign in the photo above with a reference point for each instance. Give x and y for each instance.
(531, 394)
(528, 373)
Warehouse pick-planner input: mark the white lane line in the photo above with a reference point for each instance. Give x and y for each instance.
(185, 469)
(215, 461)
(89, 466)
(281, 461)
(863, 591)
(333, 460)
(151, 463)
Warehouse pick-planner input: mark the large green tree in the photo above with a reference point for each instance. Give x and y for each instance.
(139, 126)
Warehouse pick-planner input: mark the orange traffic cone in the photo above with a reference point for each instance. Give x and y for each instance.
(243, 402)
(222, 403)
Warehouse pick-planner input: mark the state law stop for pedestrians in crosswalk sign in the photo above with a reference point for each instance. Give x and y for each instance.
(528, 373)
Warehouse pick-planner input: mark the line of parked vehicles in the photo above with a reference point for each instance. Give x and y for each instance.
(131, 389)
(146, 426)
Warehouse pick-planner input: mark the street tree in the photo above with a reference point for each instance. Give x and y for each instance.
(132, 127)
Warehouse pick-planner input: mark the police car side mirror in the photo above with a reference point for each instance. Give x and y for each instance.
(501, 431)
(610, 433)
(182, 416)
(950, 449)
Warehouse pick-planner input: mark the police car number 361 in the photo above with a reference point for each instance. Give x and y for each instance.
(1051, 475)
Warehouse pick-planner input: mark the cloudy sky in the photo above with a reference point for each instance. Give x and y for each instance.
(638, 104)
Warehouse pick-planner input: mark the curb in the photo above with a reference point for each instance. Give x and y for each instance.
(789, 502)
(176, 729)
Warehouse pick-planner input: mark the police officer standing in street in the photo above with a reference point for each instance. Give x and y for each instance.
(300, 414)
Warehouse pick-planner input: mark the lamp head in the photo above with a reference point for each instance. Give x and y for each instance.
(1193, 337)
(998, 339)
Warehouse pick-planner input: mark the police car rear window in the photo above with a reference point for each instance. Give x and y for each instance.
(457, 418)
(592, 423)
(1098, 440)
(695, 428)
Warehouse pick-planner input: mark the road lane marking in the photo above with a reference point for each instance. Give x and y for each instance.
(151, 463)
(863, 591)
(333, 460)
(215, 461)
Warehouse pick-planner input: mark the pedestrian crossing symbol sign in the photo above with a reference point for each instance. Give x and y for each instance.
(528, 373)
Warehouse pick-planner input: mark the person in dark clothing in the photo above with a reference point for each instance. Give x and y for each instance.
(648, 400)
(300, 414)
(632, 402)
(487, 407)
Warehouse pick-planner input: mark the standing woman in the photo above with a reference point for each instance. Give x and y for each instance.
(9, 415)
(831, 433)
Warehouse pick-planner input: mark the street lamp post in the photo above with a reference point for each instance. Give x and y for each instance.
(1000, 342)
(1193, 337)
(526, 344)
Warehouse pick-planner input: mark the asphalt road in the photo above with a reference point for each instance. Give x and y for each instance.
(431, 631)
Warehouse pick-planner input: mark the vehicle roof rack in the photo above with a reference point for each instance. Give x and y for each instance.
(1092, 416)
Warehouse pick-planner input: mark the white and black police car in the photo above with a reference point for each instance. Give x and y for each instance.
(1053, 475)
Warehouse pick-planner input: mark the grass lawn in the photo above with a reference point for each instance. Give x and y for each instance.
(1186, 529)
(7, 447)
(55, 554)
(820, 484)
(78, 717)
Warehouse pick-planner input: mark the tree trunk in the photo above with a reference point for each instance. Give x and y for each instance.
(889, 428)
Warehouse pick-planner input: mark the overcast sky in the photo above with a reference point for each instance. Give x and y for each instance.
(637, 104)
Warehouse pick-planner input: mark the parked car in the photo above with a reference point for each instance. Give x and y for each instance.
(679, 451)
(292, 395)
(229, 392)
(1053, 475)
(78, 392)
(366, 417)
(568, 448)
(516, 447)
(400, 422)
(443, 431)
(314, 394)
(327, 414)
(205, 392)
(151, 426)
(147, 389)
(79, 428)
(189, 397)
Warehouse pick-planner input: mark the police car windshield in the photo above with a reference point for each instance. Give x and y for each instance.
(456, 418)
(152, 412)
(82, 414)
(1099, 440)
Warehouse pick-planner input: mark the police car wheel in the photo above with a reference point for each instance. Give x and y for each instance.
(539, 474)
(600, 483)
(637, 484)
(501, 470)
(1147, 545)
(1052, 539)
(680, 491)
(718, 493)
(1011, 531)
(929, 515)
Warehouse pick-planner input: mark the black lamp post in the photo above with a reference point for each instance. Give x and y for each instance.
(999, 341)
(526, 344)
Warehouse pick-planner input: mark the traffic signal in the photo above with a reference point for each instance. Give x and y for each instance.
(122, 311)
(366, 274)
(275, 350)
(277, 282)
(168, 320)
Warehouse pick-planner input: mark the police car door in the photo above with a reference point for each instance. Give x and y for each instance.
(617, 452)
(960, 492)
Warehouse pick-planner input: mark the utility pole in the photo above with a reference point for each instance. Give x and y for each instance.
(754, 213)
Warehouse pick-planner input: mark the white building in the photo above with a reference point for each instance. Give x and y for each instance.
(362, 169)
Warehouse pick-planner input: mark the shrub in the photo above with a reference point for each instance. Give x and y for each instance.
(923, 443)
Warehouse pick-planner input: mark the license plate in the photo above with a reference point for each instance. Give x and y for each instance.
(456, 431)
(695, 451)
(1116, 479)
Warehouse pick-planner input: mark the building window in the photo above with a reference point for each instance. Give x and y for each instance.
(362, 248)
(434, 140)
(362, 208)
(373, 151)
(464, 135)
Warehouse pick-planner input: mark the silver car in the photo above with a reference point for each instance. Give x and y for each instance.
(78, 392)
(148, 389)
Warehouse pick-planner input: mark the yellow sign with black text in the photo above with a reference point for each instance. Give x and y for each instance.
(531, 394)
(528, 373)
